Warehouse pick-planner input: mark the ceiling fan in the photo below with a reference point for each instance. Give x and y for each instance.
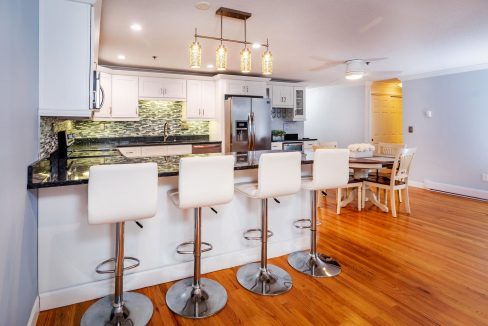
(355, 68)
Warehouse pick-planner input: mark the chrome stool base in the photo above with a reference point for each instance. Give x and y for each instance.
(317, 265)
(270, 281)
(137, 311)
(188, 301)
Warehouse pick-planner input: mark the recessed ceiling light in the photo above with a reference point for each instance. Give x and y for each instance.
(136, 27)
(210, 66)
(121, 57)
(202, 5)
(256, 45)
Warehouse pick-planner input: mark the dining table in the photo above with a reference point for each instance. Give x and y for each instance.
(362, 168)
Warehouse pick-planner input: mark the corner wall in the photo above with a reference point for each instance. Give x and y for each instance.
(336, 113)
(19, 146)
(453, 143)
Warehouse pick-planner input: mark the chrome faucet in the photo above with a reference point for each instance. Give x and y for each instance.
(165, 131)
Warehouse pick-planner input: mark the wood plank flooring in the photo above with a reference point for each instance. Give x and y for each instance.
(429, 268)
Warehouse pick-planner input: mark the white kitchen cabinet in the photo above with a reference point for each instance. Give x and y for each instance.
(200, 99)
(308, 145)
(65, 58)
(283, 96)
(125, 98)
(106, 96)
(151, 87)
(162, 150)
(245, 87)
(299, 108)
(276, 146)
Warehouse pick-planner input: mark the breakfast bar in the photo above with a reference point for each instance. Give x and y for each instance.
(70, 248)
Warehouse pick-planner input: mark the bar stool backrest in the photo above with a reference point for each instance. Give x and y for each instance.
(279, 174)
(122, 192)
(206, 181)
(330, 168)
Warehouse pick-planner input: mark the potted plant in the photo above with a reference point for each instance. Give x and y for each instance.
(277, 135)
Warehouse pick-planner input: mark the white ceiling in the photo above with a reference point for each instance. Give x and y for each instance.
(417, 36)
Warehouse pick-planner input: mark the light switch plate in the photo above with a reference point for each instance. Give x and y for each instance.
(484, 177)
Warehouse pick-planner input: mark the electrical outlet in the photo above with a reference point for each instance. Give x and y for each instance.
(484, 177)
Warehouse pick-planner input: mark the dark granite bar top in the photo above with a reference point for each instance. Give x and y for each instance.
(54, 172)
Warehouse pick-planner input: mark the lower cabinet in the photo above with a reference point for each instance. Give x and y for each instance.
(164, 150)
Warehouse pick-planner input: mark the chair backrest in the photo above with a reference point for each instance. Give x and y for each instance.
(325, 145)
(122, 192)
(389, 149)
(330, 168)
(279, 174)
(401, 166)
(206, 181)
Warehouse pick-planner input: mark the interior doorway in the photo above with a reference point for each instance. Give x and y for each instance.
(386, 111)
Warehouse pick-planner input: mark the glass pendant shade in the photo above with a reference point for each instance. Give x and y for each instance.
(195, 55)
(267, 63)
(221, 58)
(245, 60)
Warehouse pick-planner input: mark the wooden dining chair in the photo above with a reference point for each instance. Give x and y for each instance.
(388, 149)
(397, 181)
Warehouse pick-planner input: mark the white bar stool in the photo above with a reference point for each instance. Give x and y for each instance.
(330, 170)
(116, 194)
(278, 175)
(202, 182)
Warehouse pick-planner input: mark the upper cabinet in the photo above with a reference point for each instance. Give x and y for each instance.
(125, 97)
(168, 88)
(299, 106)
(283, 97)
(245, 87)
(65, 58)
(200, 102)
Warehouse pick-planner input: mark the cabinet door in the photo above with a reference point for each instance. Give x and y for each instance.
(178, 149)
(194, 99)
(154, 150)
(106, 89)
(299, 104)
(208, 99)
(125, 96)
(150, 87)
(255, 88)
(277, 97)
(236, 87)
(173, 88)
(288, 96)
(130, 151)
(64, 58)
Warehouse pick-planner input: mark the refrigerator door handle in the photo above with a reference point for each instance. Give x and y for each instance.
(250, 144)
(253, 132)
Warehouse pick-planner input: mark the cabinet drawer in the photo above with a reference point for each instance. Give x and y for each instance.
(130, 151)
(154, 151)
(277, 146)
(207, 148)
(178, 149)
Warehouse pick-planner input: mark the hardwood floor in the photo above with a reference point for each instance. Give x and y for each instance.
(427, 268)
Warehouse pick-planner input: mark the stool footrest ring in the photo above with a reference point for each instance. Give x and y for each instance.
(248, 234)
(304, 223)
(112, 260)
(205, 247)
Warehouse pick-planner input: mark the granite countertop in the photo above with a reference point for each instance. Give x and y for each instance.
(54, 172)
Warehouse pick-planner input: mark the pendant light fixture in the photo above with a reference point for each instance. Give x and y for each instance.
(267, 61)
(221, 52)
(195, 53)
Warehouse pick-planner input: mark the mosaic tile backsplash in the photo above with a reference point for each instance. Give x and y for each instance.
(152, 114)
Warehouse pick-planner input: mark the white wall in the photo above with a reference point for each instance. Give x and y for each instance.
(19, 147)
(336, 113)
(453, 144)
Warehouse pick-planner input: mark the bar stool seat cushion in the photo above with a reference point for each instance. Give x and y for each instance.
(122, 192)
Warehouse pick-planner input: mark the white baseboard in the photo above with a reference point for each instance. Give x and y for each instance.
(416, 184)
(457, 190)
(34, 313)
(137, 280)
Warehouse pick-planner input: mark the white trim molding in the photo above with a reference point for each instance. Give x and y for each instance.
(36, 308)
(444, 72)
(457, 190)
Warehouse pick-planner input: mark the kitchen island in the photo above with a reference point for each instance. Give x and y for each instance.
(70, 248)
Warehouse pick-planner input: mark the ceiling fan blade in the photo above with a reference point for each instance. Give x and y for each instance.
(326, 65)
(373, 60)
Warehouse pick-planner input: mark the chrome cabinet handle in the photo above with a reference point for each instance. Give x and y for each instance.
(103, 96)
(203, 112)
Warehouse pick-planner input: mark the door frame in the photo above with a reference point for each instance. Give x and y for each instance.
(368, 117)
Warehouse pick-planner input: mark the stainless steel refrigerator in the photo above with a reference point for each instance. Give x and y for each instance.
(247, 124)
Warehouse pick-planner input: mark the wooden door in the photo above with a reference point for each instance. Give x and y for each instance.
(386, 112)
